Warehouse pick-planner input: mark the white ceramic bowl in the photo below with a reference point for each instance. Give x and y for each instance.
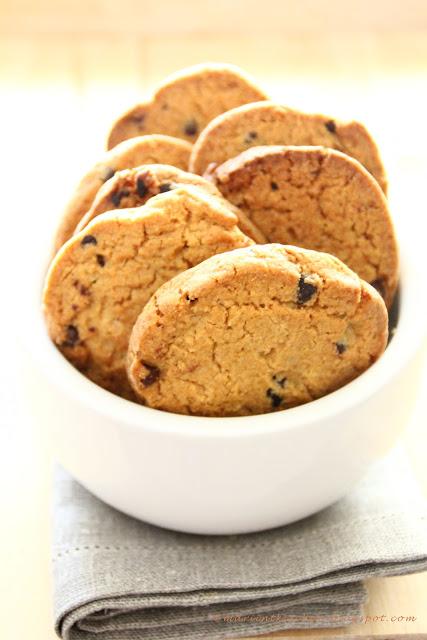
(230, 475)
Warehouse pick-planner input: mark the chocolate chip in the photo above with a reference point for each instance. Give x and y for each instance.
(274, 186)
(306, 290)
(84, 291)
(92, 329)
(280, 380)
(71, 336)
(276, 400)
(379, 285)
(341, 347)
(152, 376)
(191, 127)
(331, 126)
(138, 118)
(108, 173)
(166, 186)
(141, 187)
(100, 259)
(117, 196)
(89, 240)
(250, 137)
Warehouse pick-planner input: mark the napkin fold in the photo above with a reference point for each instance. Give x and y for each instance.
(116, 578)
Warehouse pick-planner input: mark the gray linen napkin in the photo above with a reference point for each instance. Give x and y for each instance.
(116, 578)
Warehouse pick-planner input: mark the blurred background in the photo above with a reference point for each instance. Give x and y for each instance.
(68, 68)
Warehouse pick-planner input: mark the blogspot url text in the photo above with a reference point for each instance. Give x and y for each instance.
(313, 619)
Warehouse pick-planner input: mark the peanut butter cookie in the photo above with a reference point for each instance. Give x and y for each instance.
(131, 153)
(265, 123)
(133, 187)
(184, 104)
(100, 280)
(319, 199)
(255, 330)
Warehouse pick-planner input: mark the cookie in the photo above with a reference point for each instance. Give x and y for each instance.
(184, 104)
(100, 280)
(269, 123)
(255, 330)
(134, 187)
(320, 199)
(132, 153)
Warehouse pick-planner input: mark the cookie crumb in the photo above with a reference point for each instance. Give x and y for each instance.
(89, 240)
(190, 299)
(306, 290)
(211, 168)
(152, 376)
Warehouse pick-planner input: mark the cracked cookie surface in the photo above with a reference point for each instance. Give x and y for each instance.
(100, 280)
(255, 330)
(134, 187)
(319, 199)
(184, 104)
(266, 123)
(131, 153)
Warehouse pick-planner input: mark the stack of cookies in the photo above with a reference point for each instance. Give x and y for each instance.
(227, 255)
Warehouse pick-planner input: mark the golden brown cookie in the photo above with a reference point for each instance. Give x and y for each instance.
(269, 123)
(100, 280)
(320, 199)
(255, 330)
(134, 187)
(131, 153)
(184, 104)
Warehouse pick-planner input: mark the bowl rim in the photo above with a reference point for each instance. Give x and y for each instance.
(408, 337)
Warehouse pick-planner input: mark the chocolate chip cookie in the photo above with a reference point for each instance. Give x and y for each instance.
(184, 104)
(134, 187)
(320, 199)
(100, 280)
(255, 330)
(265, 123)
(131, 153)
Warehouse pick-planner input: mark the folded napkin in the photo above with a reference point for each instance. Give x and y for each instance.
(116, 578)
